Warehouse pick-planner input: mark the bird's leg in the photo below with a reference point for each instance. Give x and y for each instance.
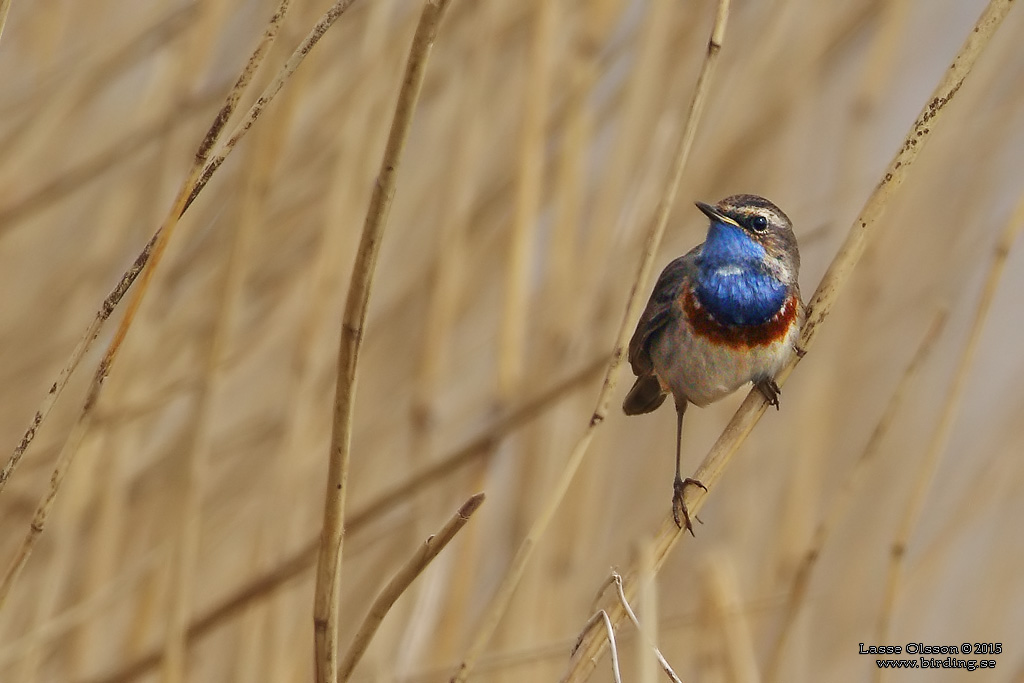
(771, 390)
(679, 512)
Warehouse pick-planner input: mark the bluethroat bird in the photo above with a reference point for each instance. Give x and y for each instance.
(727, 313)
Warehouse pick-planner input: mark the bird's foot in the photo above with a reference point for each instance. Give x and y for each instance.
(679, 512)
(770, 388)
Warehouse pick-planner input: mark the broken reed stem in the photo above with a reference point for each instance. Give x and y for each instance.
(503, 596)
(602, 617)
(940, 437)
(644, 635)
(328, 575)
(843, 500)
(400, 581)
(150, 255)
(862, 230)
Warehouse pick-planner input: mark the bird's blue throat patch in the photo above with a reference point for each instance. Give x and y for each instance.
(733, 284)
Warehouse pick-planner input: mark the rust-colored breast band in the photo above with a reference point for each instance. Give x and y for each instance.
(738, 336)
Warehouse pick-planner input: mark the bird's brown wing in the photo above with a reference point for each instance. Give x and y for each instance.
(662, 308)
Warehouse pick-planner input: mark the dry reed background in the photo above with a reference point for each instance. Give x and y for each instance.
(534, 165)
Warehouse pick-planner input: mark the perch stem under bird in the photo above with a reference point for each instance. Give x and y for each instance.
(726, 313)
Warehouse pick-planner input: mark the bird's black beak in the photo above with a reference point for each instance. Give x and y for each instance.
(714, 214)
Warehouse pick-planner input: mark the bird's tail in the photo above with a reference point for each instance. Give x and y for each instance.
(645, 396)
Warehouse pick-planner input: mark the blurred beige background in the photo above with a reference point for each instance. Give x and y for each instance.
(548, 126)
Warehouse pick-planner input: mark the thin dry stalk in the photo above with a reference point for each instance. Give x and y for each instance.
(197, 452)
(216, 616)
(202, 170)
(5, 6)
(256, 638)
(647, 598)
(328, 576)
(602, 617)
(127, 148)
(100, 557)
(618, 173)
(42, 513)
(559, 313)
(445, 285)
(150, 255)
(314, 336)
(503, 660)
(72, 88)
(499, 603)
(940, 437)
(723, 587)
(269, 93)
(862, 230)
(59, 624)
(264, 641)
(61, 567)
(843, 500)
(512, 351)
(482, 446)
(648, 639)
(876, 74)
(435, 607)
(517, 658)
(267, 583)
(400, 581)
(191, 469)
(569, 192)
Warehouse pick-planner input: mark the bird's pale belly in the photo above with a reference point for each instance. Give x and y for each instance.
(703, 371)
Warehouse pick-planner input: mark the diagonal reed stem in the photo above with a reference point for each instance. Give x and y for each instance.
(844, 498)
(295, 564)
(832, 283)
(142, 269)
(147, 259)
(400, 581)
(499, 603)
(203, 169)
(940, 437)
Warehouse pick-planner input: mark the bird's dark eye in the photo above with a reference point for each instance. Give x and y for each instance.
(758, 223)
